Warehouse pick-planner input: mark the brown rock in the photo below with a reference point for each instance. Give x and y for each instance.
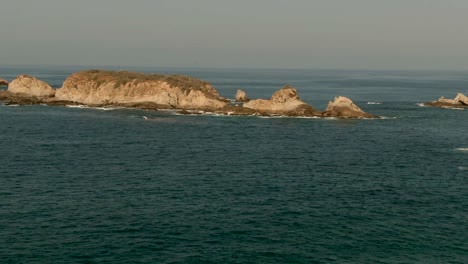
(283, 102)
(3, 82)
(29, 86)
(345, 108)
(241, 96)
(96, 87)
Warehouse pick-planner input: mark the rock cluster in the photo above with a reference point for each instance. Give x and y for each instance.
(155, 91)
(30, 86)
(459, 101)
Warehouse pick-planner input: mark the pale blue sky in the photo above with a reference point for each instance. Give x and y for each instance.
(324, 34)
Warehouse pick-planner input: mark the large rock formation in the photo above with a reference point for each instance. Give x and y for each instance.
(28, 86)
(344, 107)
(460, 101)
(3, 82)
(96, 87)
(283, 102)
(241, 96)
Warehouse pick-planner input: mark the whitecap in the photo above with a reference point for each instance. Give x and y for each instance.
(104, 108)
(421, 105)
(77, 106)
(461, 149)
(374, 103)
(463, 168)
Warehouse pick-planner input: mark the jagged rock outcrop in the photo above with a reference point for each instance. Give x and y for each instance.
(29, 86)
(283, 102)
(461, 98)
(344, 107)
(459, 101)
(241, 96)
(3, 82)
(96, 87)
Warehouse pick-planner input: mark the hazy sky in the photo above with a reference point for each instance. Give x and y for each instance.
(325, 34)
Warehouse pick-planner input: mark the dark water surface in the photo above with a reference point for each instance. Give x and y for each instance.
(94, 186)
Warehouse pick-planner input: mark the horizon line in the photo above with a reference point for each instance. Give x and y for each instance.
(124, 67)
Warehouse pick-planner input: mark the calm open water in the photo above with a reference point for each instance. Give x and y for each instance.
(94, 186)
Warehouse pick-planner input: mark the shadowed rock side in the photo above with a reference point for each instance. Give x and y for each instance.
(241, 96)
(345, 108)
(283, 102)
(460, 101)
(30, 87)
(97, 87)
(3, 82)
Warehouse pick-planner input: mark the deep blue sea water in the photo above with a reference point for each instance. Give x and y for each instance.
(94, 186)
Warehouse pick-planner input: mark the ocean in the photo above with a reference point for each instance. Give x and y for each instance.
(88, 185)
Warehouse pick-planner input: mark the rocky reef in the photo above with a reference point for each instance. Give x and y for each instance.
(460, 101)
(29, 86)
(155, 91)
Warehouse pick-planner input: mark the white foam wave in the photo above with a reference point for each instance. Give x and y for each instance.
(461, 149)
(297, 117)
(77, 106)
(463, 168)
(374, 103)
(103, 108)
(421, 104)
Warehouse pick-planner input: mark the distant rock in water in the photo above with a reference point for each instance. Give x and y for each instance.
(241, 96)
(460, 101)
(283, 102)
(29, 86)
(344, 107)
(3, 82)
(96, 87)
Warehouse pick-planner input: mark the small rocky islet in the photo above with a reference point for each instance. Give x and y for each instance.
(185, 94)
(459, 102)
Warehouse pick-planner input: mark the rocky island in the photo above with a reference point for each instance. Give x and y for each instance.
(460, 101)
(155, 91)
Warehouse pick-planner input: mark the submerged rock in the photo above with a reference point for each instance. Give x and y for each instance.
(29, 86)
(344, 107)
(96, 87)
(241, 96)
(460, 101)
(3, 82)
(283, 102)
